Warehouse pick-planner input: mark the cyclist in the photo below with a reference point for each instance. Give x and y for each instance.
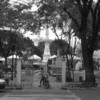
(46, 81)
(42, 77)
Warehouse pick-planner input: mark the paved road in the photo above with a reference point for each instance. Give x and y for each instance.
(88, 94)
(41, 94)
(42, 97)
(33, 92)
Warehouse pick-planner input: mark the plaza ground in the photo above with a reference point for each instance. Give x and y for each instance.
(51, 94)
(31, 91)
(39, 94)
(88, 94)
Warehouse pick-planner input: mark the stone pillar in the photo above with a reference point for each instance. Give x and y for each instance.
(63, 73)
(18, 76)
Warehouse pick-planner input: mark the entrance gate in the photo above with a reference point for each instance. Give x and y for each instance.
(30, 78)
(27, 78)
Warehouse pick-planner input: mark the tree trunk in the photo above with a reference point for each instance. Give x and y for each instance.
(5, 62)
(6, 66)
(87, 53)
(88, 64)
(68, 73)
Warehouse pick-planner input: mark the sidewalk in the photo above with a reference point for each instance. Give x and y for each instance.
(83, 94)
(40, 94)
(88, 93)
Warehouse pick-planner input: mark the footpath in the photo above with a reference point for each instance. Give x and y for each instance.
(88, 93)
(54, 93)
(39, 93)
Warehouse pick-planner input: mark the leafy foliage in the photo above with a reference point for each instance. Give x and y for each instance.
(60, 45)
(39, 50)
(11, 15)
(85, 16)
(13, 42)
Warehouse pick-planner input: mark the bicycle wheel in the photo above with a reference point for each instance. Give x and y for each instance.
(46, 84)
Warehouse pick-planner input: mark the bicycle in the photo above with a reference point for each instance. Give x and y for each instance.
(46, 83)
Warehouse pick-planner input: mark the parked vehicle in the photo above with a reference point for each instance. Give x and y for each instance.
(2, 83)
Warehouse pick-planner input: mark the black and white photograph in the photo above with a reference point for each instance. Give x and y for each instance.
(49, 49)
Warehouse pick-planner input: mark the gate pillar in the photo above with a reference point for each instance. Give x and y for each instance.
(63, 72)
(18, 72)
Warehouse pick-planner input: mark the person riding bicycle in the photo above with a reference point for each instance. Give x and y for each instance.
(44, 78)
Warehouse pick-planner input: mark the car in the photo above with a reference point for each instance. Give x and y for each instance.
(2, 83)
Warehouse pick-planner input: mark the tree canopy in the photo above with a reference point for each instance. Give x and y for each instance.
(85, 20)
(84, 16)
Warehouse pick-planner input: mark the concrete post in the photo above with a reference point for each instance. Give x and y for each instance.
(18, 76)
(63, 73)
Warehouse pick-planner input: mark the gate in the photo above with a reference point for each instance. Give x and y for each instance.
(27, 78)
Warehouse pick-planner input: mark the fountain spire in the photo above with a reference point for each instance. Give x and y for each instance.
(46, 53)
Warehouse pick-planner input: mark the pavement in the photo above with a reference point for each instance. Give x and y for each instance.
(88, 94)
(39, 94)
(33, 92)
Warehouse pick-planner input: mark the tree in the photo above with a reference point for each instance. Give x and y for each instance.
(11, 15)
(85, 16)
(39, 50)
(11, 23)
(8, 44)
(88, 30)
(50, 15)
(65, 50)
(13, 43)
(27, 43)
(59, 45)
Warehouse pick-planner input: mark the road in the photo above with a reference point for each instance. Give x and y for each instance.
(39, 94)
(31, 91)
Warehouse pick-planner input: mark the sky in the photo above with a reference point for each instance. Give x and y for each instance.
(42, 34)
(20, 1)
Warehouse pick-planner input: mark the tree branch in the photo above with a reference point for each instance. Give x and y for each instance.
(55, 32)
(98, 21)
(96, 8)
(74, 20)
(96, 14)
(90, 4)
(79, 5)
